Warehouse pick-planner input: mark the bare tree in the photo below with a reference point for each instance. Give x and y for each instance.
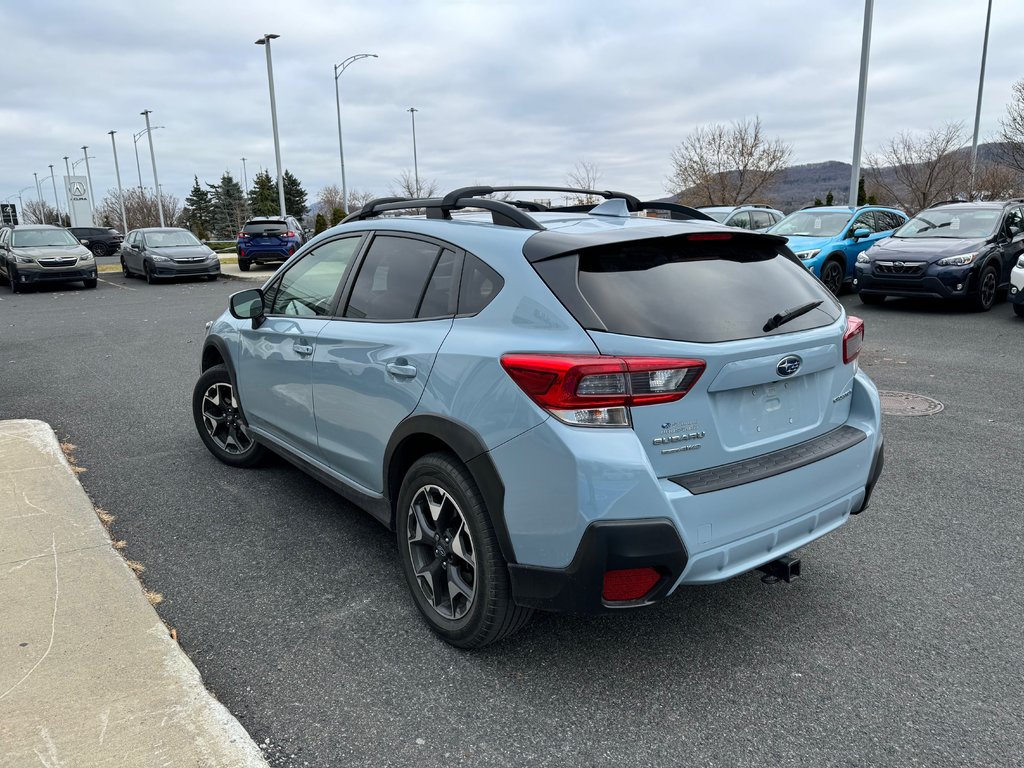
(995, 181)
(405, 186)
(584, 174)
(1012, 128)
(329, 198)
(916, 171)
(140, 208)
(38, 212)
(358, 198)
(727, 165)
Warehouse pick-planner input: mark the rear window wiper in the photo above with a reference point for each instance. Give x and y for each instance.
(790, 314)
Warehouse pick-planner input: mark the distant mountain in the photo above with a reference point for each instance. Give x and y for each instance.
(798, 185)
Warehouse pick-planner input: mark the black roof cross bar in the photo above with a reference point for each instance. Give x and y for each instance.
(502, 213)
(607, 194)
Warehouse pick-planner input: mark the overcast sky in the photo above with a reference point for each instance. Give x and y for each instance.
(507, 92)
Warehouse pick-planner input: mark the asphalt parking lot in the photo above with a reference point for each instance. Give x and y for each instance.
(900, 645)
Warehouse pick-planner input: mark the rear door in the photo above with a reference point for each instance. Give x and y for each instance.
(371, 365)
(275, 377)
(709, 300)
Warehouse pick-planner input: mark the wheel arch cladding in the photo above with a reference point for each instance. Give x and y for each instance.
(419, 435)
(214, 354)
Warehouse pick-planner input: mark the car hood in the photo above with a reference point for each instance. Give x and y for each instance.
(182, 251)
(63, 252)
(799, 243)
(923, 248)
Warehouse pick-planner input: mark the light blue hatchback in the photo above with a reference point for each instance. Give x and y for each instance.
(575, 409)
(827, 239)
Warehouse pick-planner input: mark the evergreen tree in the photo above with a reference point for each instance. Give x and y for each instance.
(336, 216)
(263, 196)
(199, 211)
(863, 198)
(294, 196)
(229, 207)
(817, 202)
(321, 224)
(829, 200)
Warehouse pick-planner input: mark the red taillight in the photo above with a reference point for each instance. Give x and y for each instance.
(710, 236)
(629, 584)
(242, 235)
(575, 388)
(289, 233)
(241, 251)
(853, 339)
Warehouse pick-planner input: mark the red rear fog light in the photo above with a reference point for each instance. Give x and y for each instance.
(629, 583)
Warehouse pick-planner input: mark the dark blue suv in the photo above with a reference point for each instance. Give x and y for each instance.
(268, 240)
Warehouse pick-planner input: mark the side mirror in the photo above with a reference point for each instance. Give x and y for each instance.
(84, 242)
(247, 305)
(860, 234)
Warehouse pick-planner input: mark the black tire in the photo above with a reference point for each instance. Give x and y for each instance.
(871, 298)
(243, 265)
(1018, 310)
(4, 279)
(13, 279)
(148, 271)
(211, 278)
(220, 422)
(459, 544)
(90, 283)
(99, 250)
(833, 273)
(124, 269)
(984, 298)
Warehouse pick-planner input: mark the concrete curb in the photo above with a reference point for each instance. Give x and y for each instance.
(89, 674)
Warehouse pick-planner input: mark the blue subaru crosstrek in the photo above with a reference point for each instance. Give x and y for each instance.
(268, 240)
(828, 239)
(567, 410)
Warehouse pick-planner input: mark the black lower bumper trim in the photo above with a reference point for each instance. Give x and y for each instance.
(605, 546)
(876, 471)
(770, 464)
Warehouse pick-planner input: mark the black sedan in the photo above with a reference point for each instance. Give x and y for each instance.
(162, 252)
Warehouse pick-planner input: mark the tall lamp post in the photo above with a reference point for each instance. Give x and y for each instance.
(39, 194)
(21, 203)
(135, 138)
(977, 112)
(120, 193)
(152, 156)
(415, 161)
(67, 192)
(88, 175)
(338, 69)
(265, 41)
(862, 93)
(245, 175)
(56, 200)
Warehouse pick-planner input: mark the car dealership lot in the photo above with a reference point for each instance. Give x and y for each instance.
(900, 644)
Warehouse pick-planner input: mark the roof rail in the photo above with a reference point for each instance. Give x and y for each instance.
(481, 190)
(951, 201)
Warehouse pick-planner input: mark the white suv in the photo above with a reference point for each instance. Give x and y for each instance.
(1017, 287)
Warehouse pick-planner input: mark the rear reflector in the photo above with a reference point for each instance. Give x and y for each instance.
(629, 584)
(853, 339)
(595, 390)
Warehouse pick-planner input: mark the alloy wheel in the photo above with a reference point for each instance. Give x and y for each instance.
(442, 551)
(988, 289)
(832, 277)
(223, 420)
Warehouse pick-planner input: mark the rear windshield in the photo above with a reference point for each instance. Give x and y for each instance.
(269, 227)
(700, 291)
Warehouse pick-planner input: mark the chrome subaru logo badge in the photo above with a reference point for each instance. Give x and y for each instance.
(788, 365)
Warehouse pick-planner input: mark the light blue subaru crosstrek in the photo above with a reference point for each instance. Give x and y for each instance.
(575, 409)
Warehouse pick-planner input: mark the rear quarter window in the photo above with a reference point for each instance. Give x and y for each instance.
(698, 291)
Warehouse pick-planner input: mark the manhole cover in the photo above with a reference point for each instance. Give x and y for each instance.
(908, 404)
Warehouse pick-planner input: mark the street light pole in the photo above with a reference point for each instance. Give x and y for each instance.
(120, 194)
(152, 156)
(67, 192)
(88, 175)
(135, 139)
(338, 69)
(415, 161)
(265, 41)
(245, 175)
(56, 200)
(977, 112)
(862, 93)
(39, 194)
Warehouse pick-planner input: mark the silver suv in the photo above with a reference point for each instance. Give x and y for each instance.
(755, 217)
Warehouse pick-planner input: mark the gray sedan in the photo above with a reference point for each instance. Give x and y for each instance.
(158, 252)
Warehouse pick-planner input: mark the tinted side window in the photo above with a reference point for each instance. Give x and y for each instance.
(480, 284)
(308, 288)
(1014, 222)
(441, 297)
(392, 279)
(760, 220)
(864, 221)
(740, 220)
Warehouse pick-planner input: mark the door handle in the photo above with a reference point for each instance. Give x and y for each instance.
(407, 371)
(303, 349)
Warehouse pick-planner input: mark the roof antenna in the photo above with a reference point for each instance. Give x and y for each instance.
(615, 207)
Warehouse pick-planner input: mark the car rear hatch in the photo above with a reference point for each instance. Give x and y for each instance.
(268, 235)
(765, 338)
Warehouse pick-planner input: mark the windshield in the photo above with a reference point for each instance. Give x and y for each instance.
(953, 223)
(812, 223)
(170, 239)
(42, 238)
